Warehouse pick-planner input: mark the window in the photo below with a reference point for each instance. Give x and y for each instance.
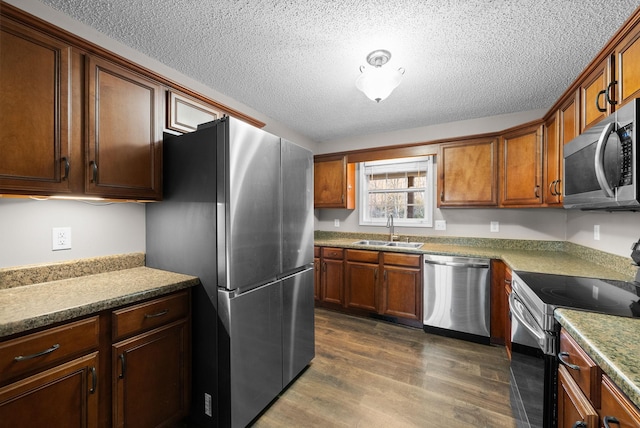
(401, 187)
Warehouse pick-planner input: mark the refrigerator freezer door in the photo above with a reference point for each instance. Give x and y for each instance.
(250, 368)
(249, 207)
(297, 207)
(298, 336)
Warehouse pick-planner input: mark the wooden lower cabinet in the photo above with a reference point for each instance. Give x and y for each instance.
(368, 282)
(616, 409)
(332, 276)
(574, 408)
(402, 286)
(66, 376)
(150, 378)
(586, 396)
(361, 284)
(64, 396)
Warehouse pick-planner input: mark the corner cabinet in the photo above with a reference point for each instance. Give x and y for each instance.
(124, 154)
(334, 183)
(35, 142)
(468, 173)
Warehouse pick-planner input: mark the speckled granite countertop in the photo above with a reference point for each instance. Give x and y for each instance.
(553, 257)
(612, 342)
(25, 307)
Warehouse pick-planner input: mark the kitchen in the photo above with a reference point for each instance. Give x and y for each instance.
(101, 229)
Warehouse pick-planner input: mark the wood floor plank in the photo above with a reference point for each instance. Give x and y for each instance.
(369, 373)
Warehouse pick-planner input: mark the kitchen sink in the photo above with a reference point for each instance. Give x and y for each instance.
(389, 244)
(367, 242)
(405, 244)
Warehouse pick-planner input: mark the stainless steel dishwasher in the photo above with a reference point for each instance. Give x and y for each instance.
(457, 297)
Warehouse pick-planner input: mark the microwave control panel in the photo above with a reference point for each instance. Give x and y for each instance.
(626, 155)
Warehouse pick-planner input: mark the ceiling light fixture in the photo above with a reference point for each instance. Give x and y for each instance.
(377, 83)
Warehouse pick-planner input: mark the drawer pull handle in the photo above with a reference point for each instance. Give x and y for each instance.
(94, 380)
(561, 356)
(610, 419)
(39, 354)
(157, 314)
(580, 424)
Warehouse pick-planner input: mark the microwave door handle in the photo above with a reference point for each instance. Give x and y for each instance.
(599, 159)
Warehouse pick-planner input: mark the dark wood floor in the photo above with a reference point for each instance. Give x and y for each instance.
(369, 373)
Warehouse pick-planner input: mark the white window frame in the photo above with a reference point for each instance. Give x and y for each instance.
(363, 194)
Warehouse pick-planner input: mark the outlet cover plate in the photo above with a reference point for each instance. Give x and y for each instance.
(60, 238)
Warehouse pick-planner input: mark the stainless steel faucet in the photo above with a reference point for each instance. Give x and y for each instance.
(392, 236)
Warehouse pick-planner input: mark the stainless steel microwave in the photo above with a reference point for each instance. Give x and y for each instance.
(600, 165)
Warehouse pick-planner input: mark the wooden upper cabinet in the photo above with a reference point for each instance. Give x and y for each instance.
(569, 120)
(334, 183)
(552, 183)
(468, 173)
(592, 95)
(628, 68)
(184, 114)
(35, 142)
(124, 155)
(521, 167)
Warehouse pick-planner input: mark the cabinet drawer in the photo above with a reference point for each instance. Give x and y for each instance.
(587, 372)
(145, 316)
(399, 259)
(615, 404)
(34, 351)
(362, 256)
(332, 253)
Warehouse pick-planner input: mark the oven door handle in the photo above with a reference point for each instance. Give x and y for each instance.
(516, 308)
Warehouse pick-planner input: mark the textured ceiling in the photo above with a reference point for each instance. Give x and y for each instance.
(297, 60)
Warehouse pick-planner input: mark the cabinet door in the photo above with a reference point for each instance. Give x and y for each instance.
(402, 292)
(628, 68)
(361, 289)
(184, 114)
(590, 89)
(468, 174)
(334, 183)
(64, 396)
(34, 111)
(521, 167)
(616, 409)
(551, 187)
(125, 133)
(332, 281)
(150, 377)
(574, 409)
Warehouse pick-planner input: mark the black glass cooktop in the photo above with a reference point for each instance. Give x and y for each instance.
(599, 295)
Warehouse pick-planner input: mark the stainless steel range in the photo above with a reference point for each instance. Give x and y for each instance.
(534, 333)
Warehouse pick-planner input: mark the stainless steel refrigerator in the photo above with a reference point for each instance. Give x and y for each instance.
(237, 212)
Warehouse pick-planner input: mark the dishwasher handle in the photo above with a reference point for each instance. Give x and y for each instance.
(457, 264)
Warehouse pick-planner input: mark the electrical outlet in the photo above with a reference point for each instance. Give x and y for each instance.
(336, 222)
(60, 238)
(596, 232)
(495, 226)
(441, 225)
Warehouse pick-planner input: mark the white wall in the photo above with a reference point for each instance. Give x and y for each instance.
(618, 230)
(97, 229)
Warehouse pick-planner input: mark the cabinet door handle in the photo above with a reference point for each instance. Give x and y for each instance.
(608, 91)
(94, 171)
(536, 191)
(67, 167)
(557, 188)
(37, 354)
(442, 196)
(94, 380)
(123, 366)
(610, 419)
(157, 314)
(579, 424)
(561, 356)
(601, 93)
(552, 191)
